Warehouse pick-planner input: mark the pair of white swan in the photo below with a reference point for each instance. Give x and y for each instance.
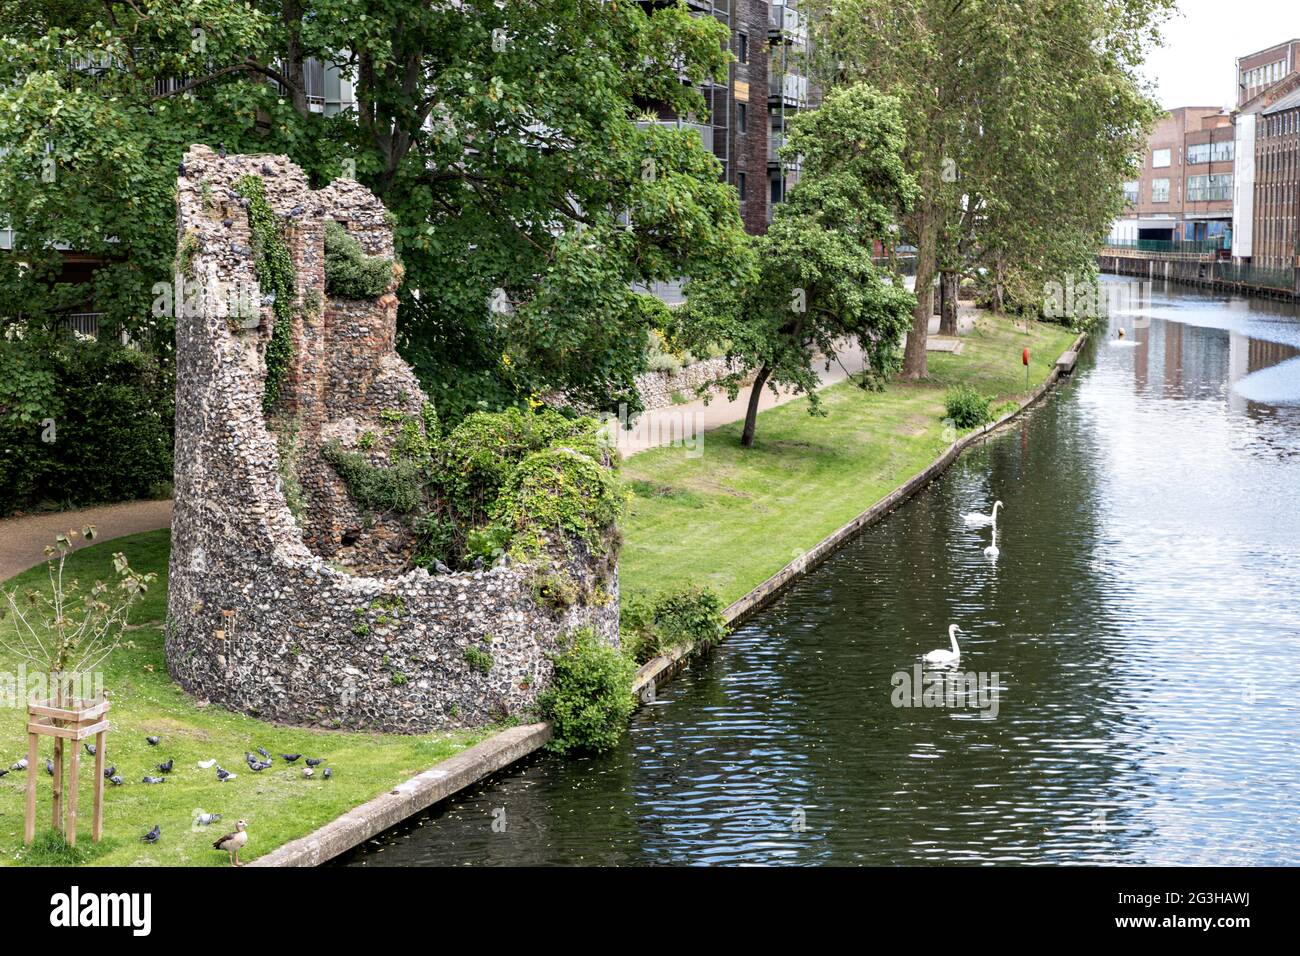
(973, 519)
(976, 519)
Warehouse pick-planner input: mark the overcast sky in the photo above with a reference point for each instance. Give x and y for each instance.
(1195, 67)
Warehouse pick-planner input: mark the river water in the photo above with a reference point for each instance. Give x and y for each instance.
(1131, 659)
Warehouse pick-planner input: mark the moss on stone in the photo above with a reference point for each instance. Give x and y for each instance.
(478, 659)
(553, 589)
(186, 250)
(286, 437)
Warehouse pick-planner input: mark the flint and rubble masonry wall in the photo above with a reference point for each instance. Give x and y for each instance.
(316, 622)
(656, 389)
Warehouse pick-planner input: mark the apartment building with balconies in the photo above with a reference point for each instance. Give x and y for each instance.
(744, 120)
(789, 89)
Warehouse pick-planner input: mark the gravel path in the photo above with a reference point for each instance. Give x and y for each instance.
(23, 540)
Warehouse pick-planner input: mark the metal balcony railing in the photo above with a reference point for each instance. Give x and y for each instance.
(1258, 276)
(786, 23)
(775, 141)
(788, 88)
(703, 131)
(1167, 246)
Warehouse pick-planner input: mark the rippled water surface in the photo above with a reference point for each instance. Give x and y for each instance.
(1140, 625)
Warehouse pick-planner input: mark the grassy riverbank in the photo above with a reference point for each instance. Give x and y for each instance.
(728, 519)
(732, 517)
(279, 804)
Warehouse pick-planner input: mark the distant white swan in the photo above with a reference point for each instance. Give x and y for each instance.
(946, 657)
(991, 551)
(977, 519)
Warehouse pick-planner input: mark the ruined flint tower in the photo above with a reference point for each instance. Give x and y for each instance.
(312, 614)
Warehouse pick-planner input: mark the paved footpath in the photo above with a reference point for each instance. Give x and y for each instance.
(689, 421)
(23, 540)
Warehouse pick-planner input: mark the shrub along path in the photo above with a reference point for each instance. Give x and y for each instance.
(732, 517)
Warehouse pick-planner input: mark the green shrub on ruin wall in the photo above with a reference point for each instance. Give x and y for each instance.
(484, 450)
(275, 276)
(349, 272)
(394, 488)
(500, 482)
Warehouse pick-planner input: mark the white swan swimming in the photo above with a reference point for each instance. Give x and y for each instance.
(991, 552)
(946, 657)
(977, 519)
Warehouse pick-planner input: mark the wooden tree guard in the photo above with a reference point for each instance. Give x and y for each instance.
(73, 722)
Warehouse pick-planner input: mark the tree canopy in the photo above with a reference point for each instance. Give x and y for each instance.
(529, 190)
(1023, 118)
(810, 282)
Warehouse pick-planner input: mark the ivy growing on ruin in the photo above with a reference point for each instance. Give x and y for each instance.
(275, 276)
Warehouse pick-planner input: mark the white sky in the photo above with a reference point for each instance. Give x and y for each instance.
(1202, 41)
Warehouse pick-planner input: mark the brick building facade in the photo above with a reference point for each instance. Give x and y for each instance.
(1267, 207)
(1184, 191)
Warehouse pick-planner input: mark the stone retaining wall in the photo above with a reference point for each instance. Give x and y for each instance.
(656, 388)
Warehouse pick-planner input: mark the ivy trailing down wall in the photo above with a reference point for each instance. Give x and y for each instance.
(275, 276)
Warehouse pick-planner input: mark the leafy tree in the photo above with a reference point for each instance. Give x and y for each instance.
(1022, 119)
(810, 282)
(508, 140)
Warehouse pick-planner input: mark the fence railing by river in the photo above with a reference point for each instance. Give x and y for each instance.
(1201, 268)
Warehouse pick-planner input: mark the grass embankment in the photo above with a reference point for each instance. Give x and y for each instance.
(279, 804)
(732, 517)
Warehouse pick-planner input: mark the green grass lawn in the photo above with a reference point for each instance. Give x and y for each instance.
(732, 517)
(279, 804)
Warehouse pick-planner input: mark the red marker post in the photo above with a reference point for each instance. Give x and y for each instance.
(1024, 358)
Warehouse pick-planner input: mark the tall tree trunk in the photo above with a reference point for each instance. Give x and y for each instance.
(999, 291)
(948, 303)
(751, 413)
(927, 243)
(291, 16)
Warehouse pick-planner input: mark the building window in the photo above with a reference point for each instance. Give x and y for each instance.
(742, 117)
(1220, 152)
(1207, 188)
(740, 185)
(742, 47)
(1160, 189)
(1131, 192)
(1159, 158)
